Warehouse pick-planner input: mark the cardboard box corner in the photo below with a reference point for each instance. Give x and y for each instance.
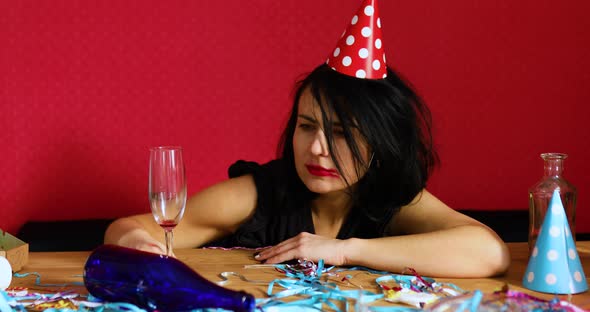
(14, 250)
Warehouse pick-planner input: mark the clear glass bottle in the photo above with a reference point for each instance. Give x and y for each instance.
(155, 282)
(540, 196)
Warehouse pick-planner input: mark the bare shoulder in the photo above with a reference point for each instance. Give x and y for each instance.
(426, 213)
(224, 205)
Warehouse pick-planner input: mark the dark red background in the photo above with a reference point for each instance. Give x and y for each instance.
(86, 87)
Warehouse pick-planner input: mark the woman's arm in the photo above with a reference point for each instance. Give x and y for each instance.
(431, 238)
(215, 212)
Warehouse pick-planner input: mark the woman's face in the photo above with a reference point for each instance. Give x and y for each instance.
(313, 161)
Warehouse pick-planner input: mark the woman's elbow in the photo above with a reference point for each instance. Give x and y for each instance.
(496, 255)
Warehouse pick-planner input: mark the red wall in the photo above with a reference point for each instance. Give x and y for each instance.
(87, 86)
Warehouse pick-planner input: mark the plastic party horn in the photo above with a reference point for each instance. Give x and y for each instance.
(554, 265)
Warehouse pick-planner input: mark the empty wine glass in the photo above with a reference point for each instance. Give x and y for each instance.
(167, 189)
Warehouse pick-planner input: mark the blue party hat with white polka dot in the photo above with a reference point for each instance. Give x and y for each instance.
(554, 265)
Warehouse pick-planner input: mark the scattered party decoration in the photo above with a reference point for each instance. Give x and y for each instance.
(309, 286)
(414, 289)
(502, 300)
(554, 265)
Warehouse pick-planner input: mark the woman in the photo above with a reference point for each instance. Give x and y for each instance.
(349, 188)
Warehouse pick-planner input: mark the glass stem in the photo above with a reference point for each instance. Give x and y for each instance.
(168, 235)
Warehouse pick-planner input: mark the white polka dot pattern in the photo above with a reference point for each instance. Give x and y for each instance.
(336, 52)
(359, 53)
(363, 53)
(572, 254)
(578, 276)
(550, 279)
(350, 40)
(346, 61)
(552, 255)
(556, 211)
(554, 231)
(530, 277)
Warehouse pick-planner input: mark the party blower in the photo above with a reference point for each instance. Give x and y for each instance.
(155, 282)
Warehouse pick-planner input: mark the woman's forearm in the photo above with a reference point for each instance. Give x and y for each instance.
(463, 251)
(129, 232)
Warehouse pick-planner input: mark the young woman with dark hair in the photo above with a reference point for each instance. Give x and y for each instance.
(348, 187)
(349, 184)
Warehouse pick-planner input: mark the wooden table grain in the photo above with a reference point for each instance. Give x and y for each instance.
(67, 267)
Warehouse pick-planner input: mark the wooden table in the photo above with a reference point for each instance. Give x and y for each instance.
(66, 267)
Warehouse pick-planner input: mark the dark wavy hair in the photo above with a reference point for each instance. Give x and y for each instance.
(393, 121)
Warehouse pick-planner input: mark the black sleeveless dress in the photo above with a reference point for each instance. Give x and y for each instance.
(280, 216)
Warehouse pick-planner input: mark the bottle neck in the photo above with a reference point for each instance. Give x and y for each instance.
(553, 167)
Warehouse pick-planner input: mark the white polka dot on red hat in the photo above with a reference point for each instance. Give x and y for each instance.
(363, 53)
(336, 52)
(346, 61)
(376, 64)
(350, 40)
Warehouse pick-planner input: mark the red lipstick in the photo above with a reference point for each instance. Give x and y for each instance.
(321, 171)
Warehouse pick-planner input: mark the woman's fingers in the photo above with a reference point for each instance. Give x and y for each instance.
(303, 246)
(155, 247)
(273, 251)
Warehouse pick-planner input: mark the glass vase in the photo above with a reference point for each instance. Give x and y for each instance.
(541, 192)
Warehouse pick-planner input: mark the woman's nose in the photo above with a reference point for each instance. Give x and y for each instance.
(319, 145)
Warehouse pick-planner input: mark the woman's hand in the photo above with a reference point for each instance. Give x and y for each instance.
(134, 232)
(140, 239)
(306, 246)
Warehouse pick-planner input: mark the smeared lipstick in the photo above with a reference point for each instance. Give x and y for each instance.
(321, 171)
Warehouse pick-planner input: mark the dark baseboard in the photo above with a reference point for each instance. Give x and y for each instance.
(511, 225)
(82, 235)
(75, 235)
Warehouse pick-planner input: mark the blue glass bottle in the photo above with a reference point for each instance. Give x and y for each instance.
(155, 282)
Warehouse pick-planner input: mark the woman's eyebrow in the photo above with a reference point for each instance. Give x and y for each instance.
(313, 120)
(308, 118)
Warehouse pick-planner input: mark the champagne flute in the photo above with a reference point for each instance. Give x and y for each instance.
(167, 189)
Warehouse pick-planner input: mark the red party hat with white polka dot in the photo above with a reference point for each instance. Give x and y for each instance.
(554, 265)
(359, 52)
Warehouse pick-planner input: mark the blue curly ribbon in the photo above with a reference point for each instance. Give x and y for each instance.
(4, 306)
(38, 280)
(325, 293)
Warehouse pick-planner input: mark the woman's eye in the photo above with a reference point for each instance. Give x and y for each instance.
(338, 132)
(306, 127)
